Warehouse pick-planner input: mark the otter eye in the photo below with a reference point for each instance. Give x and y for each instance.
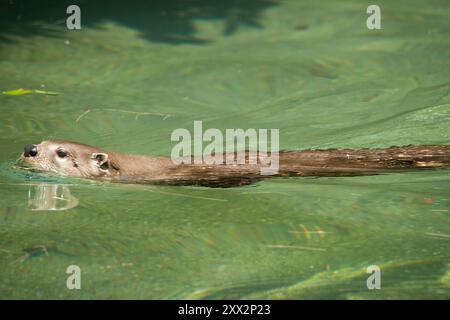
(61, 153)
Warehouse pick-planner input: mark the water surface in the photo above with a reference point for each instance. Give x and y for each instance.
(311, 69)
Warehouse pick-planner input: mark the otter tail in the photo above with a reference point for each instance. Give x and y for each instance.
(347, 162)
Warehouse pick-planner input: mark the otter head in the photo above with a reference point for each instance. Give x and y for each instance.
(68, 158)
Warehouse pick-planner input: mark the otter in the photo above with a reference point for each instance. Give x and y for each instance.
(80, 160)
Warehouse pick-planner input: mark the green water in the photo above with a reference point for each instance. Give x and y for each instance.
(311, 69)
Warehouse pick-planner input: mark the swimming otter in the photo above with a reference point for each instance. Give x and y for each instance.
(81, 160)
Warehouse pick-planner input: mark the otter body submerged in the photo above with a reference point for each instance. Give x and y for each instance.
(80, 160)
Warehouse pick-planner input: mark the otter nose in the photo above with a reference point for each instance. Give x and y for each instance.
(30, 150)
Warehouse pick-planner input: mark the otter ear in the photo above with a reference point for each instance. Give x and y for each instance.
(101, 160)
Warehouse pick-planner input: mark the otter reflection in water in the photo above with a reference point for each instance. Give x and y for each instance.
(81, 160)
(54, 197)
